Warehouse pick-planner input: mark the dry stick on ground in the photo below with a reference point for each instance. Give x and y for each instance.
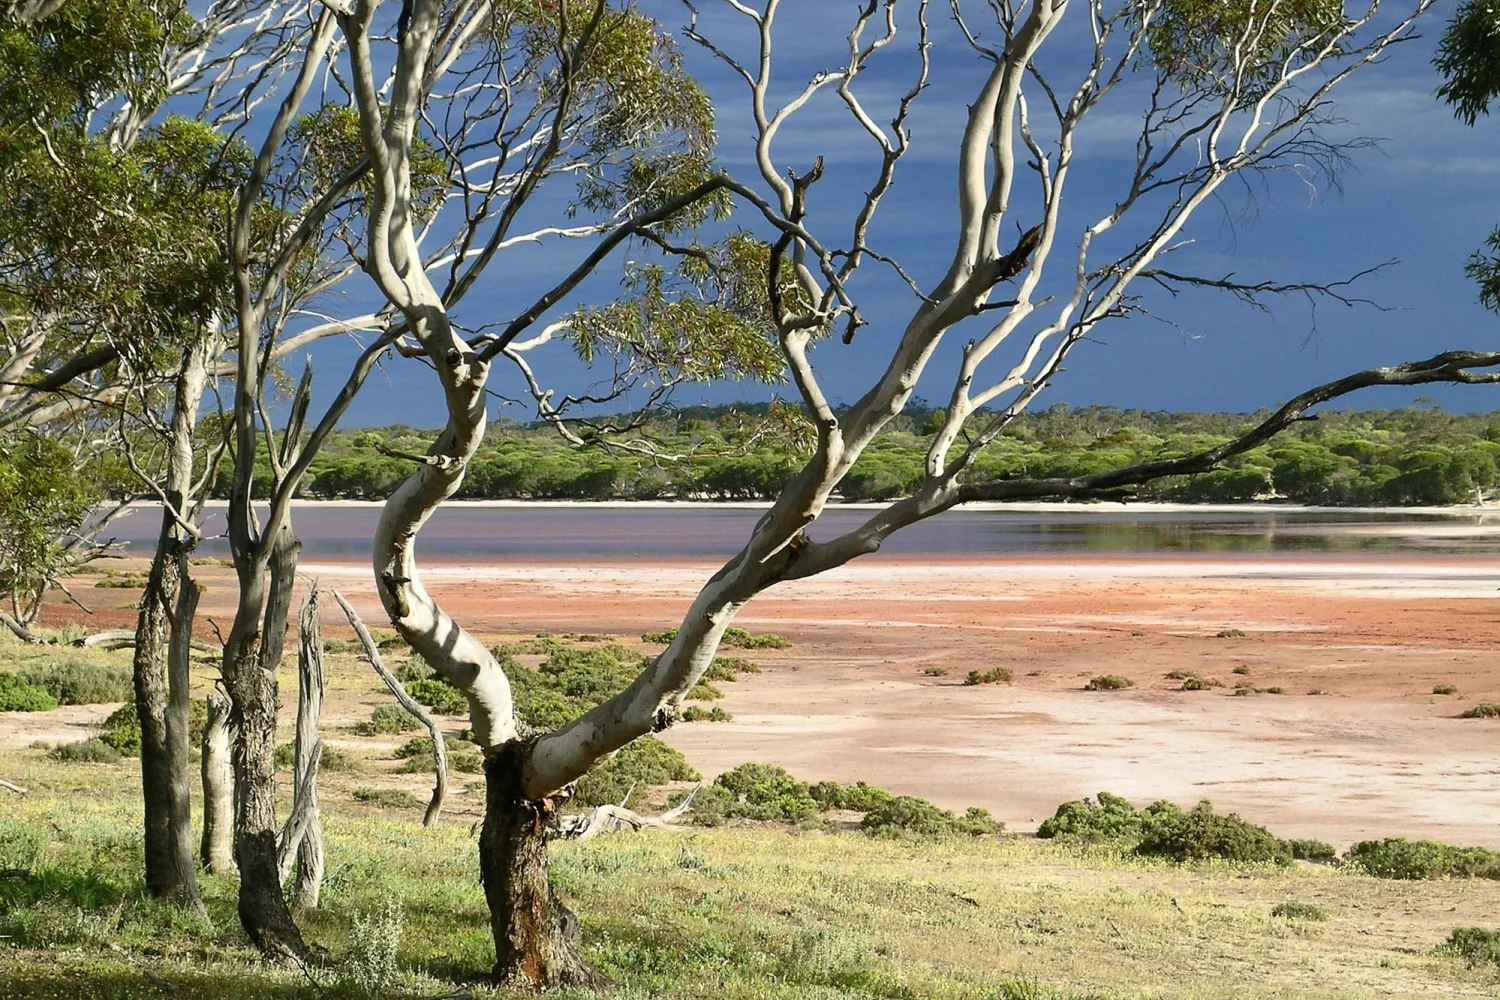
(125, 639)
(608, 819)
(439, 751)
(20, 631)
(12, 786)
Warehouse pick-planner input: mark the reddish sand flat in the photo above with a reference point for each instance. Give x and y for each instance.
(1375, 755)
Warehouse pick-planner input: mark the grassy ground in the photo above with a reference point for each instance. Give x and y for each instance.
(736, 912)
(731, 912)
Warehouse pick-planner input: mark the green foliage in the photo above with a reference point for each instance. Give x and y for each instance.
(697, 713)
(438, 695)
(570, 682)
(387, 719)
(89, 751)
(1445, 689)
(1477, 946)
(1397, 857)
(729, 668)
(1468, 57)
(755, 792)
(858, 797)
(420, 747)
(1293, 910)
(1109, 818)
(994, 675)
(44, 499)
(332, 758)
(641, 765)
(1200, 834)
(1108, 682)
(17, 694)
(733, 636)
(387, 798)
(1311, 850)
(905, 814)
(704, 691)
(374, 941)
(1196, 683)
(1484, 710)
(122, 729)
(82, 682)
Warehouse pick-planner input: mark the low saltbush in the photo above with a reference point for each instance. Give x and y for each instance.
(697, 713)
(438, 695)
(1293, 910)
(643, 764)
(122, 729)
(331, 759)
(388, 798)
(1109, 682)
(907, 815)
(729, 668)
(1484, 710)
(733, 636)
(994, 675)
(1311, 850)
(1196, 683)
(858, 797)
(17, 694)
(1164, 830)
(388, 719)
(1445, 689)
(1397, 857)
(89, 751)
(1229, 633)
(1109, 818)
(704, 691)
(1475, 945)
(82, 682)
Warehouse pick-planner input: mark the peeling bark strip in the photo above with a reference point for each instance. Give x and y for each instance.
(416, 708)
(217, 847)
(538, 943)
(302, 837)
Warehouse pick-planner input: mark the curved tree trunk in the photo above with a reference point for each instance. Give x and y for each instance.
(217, 846)
(538, 944)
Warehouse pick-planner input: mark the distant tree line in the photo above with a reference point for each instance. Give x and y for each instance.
(1411, 456)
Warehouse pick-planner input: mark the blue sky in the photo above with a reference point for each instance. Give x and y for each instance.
(1426, 198)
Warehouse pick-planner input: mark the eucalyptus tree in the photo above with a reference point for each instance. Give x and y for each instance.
(1469, 60)
(1218, 91)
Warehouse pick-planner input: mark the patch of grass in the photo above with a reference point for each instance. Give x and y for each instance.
(387, 720)
(697, 713)
(17, 694)
(908, 815)
(1196, 683)
(994, 675)
(729, 668)
(1293, 910)
(858, 797)
(733, 636)
(644, 764)
(1445, 689)
(1399, 858)
(1477, 946)
(1108, 682)
(76, 681)
(1179, 674)
(704, 691)
(1311, 850)
(89, 751)
(1243, 670)
(421, 746)
(388, 798)
(935, 671)
(1229, 633)
(113, 579)
(1483, 710)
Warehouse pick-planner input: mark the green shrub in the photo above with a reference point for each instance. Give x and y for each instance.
(935, 671)
(81, 682)
(1397, 857)
(1293, 910)
(995, 675)
(1109, 818)
(421, 746)
(663, 638)
(704, 691)
(906, 814)
(1311, 850)
(1179, 674)
(729, 668)
(858, 797)
(388, 719)
(1243, 669)
(733, 636)
(1109, 682)
(697, 713)
(466, 761)
(1475, 945)
(438, 695)
(1445, 689)
(643, 764)
(1484, 710)
(1229, 633)
(331, 759)
(17, 694)
(20, 844)
(570, 682)
(122, 729)
(388, 798)
(1200, 834)
(754, 791)
(89, 751)
(413, 670)
(1196, 683)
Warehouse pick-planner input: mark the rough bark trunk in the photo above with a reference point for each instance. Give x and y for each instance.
(178, 721)
(253, 657)
(217, 847)
(537, 938)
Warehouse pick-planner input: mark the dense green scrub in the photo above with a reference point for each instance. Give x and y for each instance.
(1396, 457)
